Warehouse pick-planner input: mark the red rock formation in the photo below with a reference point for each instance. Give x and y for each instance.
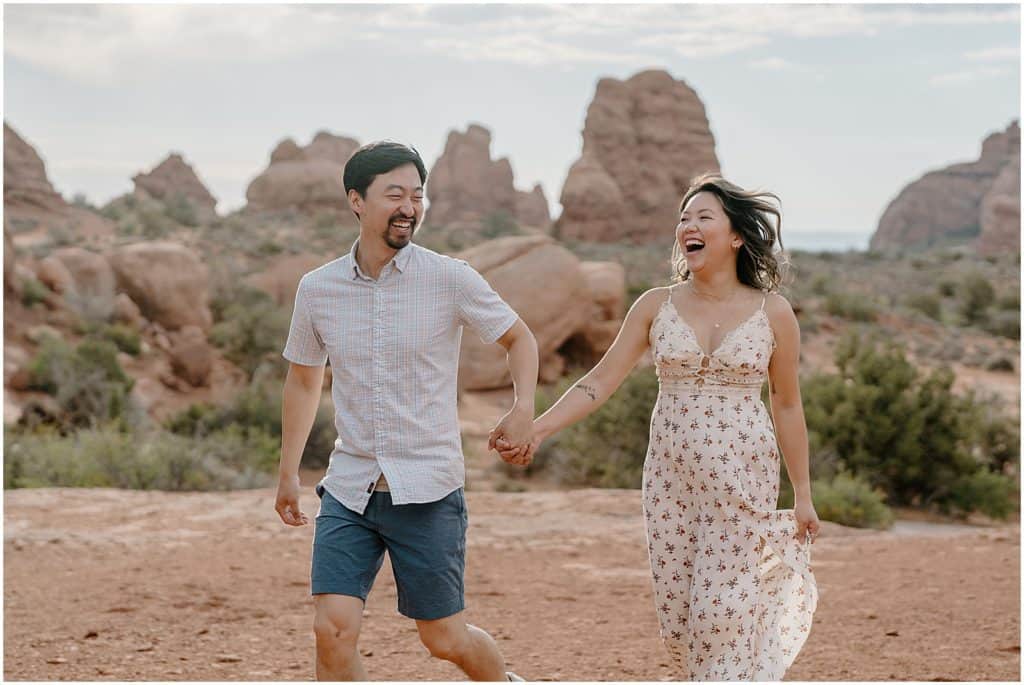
(33, 208)
(643, 140)
(280, 276)
(466, 186)
(167, 281)
(174, 178)
(946, 205)
(25, 181)
(1000, 212)
(557, 296)
(307, 179)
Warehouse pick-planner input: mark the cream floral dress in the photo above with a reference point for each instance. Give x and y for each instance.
(734, 590)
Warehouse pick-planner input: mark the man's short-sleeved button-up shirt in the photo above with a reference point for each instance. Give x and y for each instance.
(393, 344)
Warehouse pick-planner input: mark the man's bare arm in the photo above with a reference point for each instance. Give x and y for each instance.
(516, 426)
(302, 389)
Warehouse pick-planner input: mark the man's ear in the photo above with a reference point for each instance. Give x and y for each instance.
(355, 201)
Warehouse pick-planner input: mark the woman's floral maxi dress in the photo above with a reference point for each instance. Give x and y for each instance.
(733, 588)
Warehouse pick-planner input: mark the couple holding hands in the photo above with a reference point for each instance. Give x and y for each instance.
(733, 586)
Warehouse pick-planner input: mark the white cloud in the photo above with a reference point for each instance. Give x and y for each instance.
(1003, 53)
(966, 76)
(108, 44)
(533, 51)
(772, 64)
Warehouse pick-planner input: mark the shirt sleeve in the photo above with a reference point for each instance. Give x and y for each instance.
(304, 346)
(480, 307)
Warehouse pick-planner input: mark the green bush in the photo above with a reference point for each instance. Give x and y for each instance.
(88, 382)
(32, 292)
(497, 224)
(257, 411)
(975, 296)
(105, 456)
(154, 223)
(250, 327)
(851, 501)
(927, 304)
(181, 210)
(1005, 323)
(993, 494)
(999, 362)
(1010, 302)
(901, 431)
(820, 285)
(850, 306)
(607, 449)
(124, 338)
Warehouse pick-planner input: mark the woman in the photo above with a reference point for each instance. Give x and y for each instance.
(733, 585)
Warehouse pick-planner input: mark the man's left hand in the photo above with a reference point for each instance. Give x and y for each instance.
(516, 429)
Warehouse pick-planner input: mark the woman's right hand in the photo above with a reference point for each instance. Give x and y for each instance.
(510, 454)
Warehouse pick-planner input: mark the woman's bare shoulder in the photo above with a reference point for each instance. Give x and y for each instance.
(779, 310)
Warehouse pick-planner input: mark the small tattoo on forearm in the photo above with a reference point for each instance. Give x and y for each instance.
(591, 393)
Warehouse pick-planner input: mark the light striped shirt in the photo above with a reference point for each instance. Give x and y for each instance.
(393, 344)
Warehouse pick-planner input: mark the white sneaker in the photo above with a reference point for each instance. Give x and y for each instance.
(513, 677)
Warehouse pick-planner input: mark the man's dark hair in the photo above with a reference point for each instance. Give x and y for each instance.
(377, 158)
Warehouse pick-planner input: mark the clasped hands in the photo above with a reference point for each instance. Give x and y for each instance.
(514, 437)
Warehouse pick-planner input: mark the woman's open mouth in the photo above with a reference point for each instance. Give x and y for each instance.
(694, 245)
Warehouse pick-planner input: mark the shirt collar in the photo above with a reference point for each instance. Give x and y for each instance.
(400, 260)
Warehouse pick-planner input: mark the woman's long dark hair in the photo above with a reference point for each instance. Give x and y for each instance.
(758, 263)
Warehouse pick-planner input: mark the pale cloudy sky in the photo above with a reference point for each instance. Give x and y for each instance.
(834, 107)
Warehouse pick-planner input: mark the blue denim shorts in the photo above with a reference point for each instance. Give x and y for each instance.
(426, 544)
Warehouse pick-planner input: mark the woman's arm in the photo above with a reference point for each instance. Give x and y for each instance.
(591, 391)
(787, 409)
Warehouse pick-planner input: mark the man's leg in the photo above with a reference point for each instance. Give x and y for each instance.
(336, 625)
(427, 544)
(347, 554)
(466, 646)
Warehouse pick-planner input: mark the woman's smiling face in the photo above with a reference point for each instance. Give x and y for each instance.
(705, 233)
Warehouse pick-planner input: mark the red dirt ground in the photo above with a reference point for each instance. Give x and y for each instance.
(124, 585)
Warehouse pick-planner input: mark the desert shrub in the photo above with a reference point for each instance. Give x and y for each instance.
(250, 327)
(927, 304)
(124, 337)
(1009, 302)
(181, 210)
(268, 248)
(257, 411)
(998, 441)
(32, 292)
(607, 449)
(820, 285)
(901, 431)
(850, 306)
(61, 235)
(106, 456)
(1004, 322)
(88, 382)
(975, 294)
(851, 501)
(999, 362)
(153, 223)
(497, 224)
(993, 494)
(91, 309)
(947, 288)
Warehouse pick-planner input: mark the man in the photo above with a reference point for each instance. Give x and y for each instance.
(389, 316)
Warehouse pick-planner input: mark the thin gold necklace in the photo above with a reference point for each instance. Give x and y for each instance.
(719, 300)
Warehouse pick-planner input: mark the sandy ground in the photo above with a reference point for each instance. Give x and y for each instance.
(124, 585)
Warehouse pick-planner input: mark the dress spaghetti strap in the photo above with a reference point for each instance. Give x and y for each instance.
(763, 300)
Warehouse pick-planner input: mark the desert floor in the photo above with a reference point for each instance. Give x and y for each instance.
(126, 585)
